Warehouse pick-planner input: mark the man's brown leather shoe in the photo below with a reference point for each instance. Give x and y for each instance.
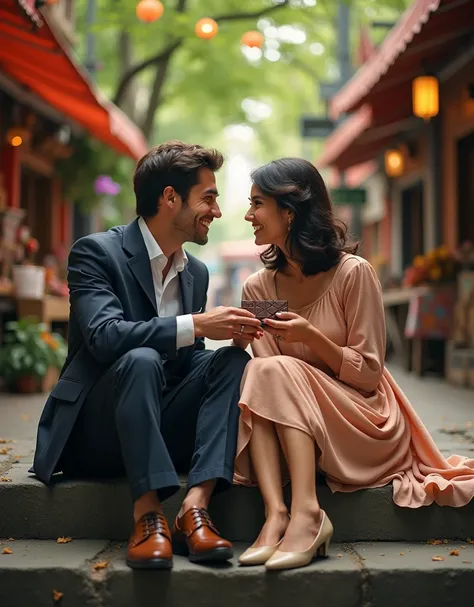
(194, 535)
(149, 546)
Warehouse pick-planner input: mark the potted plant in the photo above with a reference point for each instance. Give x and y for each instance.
(29, 352)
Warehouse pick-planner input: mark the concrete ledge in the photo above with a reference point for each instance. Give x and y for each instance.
(88, 509)
(353, 576)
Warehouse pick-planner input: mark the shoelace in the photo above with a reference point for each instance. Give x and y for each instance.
(201, 518)
(154, 522)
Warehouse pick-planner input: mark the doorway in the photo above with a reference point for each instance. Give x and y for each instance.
(36, 192)
(413, 238)
(466, 189)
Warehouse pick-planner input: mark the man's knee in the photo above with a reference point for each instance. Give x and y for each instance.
(231, 357)
(141, 361)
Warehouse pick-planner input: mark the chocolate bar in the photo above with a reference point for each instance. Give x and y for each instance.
(265, 308)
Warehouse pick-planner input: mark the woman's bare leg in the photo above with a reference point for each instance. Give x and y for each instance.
(300, 453)
(265, 453)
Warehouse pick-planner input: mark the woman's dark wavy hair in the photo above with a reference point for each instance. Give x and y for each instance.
(316, 238)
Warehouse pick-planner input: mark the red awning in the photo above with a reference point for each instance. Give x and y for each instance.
(35, 58)
(345, 135)
(427, 33)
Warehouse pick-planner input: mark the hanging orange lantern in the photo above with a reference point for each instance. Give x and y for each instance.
(206, 28)
(253, 39)
(17, 136)
(149, 10)
(394, 163)
(425, 97)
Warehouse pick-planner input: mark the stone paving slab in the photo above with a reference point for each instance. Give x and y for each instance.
(397, 574)
(355, 575)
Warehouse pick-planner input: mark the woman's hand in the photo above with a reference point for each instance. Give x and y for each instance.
(289, 327)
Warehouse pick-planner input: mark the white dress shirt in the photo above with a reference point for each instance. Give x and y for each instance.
(168, 292)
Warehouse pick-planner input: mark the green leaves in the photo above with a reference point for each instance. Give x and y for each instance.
(30, 350)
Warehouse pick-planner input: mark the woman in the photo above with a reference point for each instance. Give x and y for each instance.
(317, 390)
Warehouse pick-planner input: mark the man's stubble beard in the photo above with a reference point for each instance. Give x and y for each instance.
(191, 234)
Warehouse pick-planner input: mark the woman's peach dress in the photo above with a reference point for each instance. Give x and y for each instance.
(368, 433)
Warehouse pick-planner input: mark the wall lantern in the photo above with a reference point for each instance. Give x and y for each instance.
(17, 136)
(394, 163)
(206, 28)
(425, 91)
(149, 10)
(253, 39)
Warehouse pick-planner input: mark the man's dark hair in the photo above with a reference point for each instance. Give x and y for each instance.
(174, 164)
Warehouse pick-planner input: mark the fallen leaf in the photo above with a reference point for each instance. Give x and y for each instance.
(4, 440)
(463, 547)
(469, 541)
(467, 562)
(64, 540)
(437, 558)
(7, 550)
(435, 542)
(454, 553)
(402, 553)
(445, 541)
(5, 450)
(25, 417)
(339, 556)
(5, 479)
(57, 596)
(101, 565)
(11, 539)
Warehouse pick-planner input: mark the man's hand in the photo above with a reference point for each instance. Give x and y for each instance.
(227, 323)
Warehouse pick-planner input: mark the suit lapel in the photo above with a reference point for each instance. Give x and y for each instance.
(139, 263)
(186, 281)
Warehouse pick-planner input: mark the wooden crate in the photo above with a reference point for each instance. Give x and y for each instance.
(470, 368)
(456, 364)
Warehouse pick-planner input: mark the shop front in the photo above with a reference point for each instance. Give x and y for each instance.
(418, 92)
(46, 103)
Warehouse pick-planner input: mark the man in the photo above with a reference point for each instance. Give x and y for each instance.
(138, 393)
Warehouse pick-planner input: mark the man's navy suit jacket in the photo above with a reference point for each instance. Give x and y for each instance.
(112, 311)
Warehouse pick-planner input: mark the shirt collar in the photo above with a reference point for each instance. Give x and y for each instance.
(180, 258)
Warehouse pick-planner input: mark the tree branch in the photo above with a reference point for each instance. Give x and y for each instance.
(254, 15)
(155, 97)
(166, 53)
(133, 71)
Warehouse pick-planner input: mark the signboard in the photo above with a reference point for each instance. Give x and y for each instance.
(327, 90)
(317, 127)
(348, 196)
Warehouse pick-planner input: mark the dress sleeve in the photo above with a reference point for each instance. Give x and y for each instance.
(363, 356)
(266, 345)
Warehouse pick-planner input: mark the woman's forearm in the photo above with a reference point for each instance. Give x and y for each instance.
(329, 352)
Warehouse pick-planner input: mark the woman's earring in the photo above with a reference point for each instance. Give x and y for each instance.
(290, 221)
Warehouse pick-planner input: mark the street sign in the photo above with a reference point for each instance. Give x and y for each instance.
(348, 196)
(317, 127)
(327, 90)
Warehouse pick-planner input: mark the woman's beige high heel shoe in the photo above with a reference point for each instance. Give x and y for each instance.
(292, 560)
(258, 556)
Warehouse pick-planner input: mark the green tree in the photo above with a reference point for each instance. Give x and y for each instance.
(174, 84)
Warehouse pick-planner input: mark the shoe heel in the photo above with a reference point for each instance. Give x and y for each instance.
(323, 550)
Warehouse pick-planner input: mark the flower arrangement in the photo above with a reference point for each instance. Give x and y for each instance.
(29, 352)
(437, 266)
